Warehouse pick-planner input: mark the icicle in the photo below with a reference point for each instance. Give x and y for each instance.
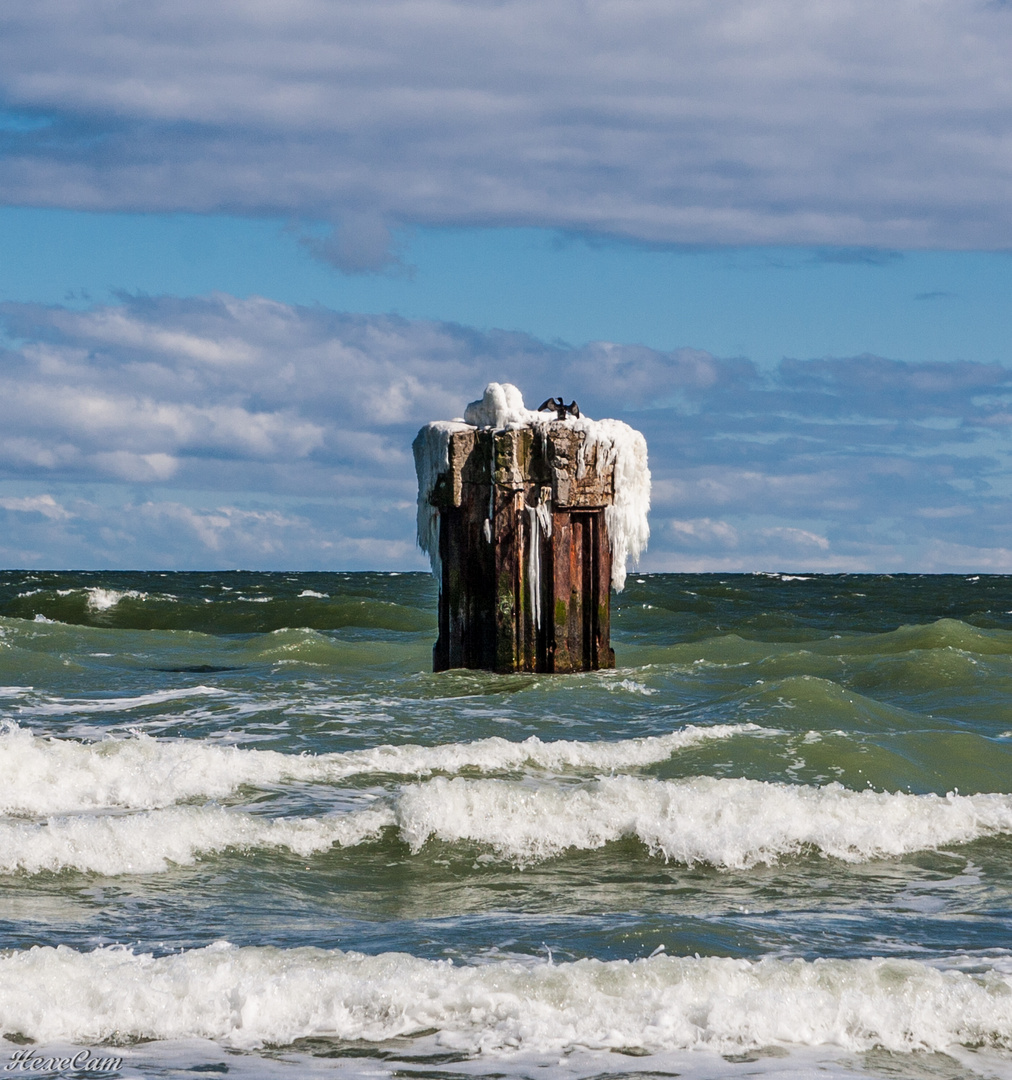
(541, 524)
(487, 527)
(534, 567)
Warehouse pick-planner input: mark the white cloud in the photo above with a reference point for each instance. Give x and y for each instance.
(704, 531)
(724, 121)
(296, 451)
(45, 505)
(142, 467)
(226, 527)
(799, 538)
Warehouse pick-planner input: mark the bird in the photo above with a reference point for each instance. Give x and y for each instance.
(560, 407)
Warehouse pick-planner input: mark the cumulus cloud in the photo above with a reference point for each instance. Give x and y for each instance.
(216, 431)
(45, 505)
(860, 125)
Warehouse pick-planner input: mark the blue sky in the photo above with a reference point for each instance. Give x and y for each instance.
(247, 250)
(761, 302)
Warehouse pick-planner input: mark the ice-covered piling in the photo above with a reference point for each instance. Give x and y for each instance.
(529, 520)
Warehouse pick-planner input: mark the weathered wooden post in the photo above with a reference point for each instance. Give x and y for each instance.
(528, 519)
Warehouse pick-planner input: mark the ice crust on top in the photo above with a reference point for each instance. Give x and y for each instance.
(502, 408)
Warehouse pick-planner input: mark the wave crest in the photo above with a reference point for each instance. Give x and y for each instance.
(53, 776)
(729, 824)
(246, 997)
(732, 823)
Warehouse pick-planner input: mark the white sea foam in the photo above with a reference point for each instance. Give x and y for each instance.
(48, 776)
(118, 704)
(726, 823)
(733, 823)
(147, 842)
(104, 599)
(245, 997)
(99, 599)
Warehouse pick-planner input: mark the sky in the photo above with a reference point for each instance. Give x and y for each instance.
(247, 249)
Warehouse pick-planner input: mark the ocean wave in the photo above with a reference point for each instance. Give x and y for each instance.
(226, 612)
(147, 842)
(731, 823)
(728, 824)
(100, 599)
(35, 651)
(49, 776)
(916, 642)
(62, 706)
(246, 997)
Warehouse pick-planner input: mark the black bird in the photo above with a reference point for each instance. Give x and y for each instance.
(560, 407)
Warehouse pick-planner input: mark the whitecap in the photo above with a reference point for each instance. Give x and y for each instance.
(59, 706)
(45, 776)
(246, 997)
(730, 823)
(147, 842)
(100, 599)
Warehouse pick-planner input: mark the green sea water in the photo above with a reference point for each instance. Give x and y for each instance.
(244, 825)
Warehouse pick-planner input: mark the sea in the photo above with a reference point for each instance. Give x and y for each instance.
(246, 831)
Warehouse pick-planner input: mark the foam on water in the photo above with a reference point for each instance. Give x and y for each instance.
(104, 599)
(725, 823)
(62, 706)
(49, 776)
(733, 823)
(245, 997)
(147, 842)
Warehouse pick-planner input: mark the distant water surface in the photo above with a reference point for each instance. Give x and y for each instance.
(244, 828)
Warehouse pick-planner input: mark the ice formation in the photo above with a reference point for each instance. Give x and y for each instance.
(501, 407)
(541, 524)
(432, 457)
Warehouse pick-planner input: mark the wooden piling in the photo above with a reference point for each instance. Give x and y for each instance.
(525, 578)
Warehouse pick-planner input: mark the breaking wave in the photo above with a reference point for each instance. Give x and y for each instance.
(146, 843)
(50, 776)
(729, 824)
(246, 997)
(220, 611)
(726, 823)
